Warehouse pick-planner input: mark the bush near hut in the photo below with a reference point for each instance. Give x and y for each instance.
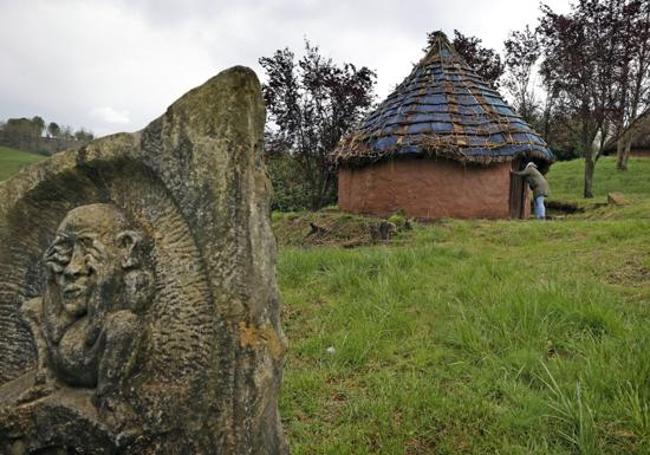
(290, 190)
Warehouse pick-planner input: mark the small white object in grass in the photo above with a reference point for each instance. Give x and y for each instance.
(330, 350)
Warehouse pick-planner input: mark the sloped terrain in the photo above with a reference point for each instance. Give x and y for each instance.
(477, 336)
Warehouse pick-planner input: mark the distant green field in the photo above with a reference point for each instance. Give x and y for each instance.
(11, 160)
(567, 179)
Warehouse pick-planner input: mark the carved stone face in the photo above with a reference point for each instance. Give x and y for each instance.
(86, 257)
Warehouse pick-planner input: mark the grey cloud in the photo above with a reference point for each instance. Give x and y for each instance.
(70, 60)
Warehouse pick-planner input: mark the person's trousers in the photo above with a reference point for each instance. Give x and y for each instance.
(540, 210)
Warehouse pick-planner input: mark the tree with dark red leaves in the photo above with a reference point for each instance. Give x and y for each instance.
(311, 104)
(588, 65)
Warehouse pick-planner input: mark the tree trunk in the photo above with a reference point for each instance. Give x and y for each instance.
(626, 153)
(589, 174)
(588, 138)
(322, 191)
(620, 155)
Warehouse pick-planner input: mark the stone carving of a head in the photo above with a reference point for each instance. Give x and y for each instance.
(98, 281)
(87, 260)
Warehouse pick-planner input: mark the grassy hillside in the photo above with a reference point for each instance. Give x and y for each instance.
(11, 160)
(566, 179)
(473, 337)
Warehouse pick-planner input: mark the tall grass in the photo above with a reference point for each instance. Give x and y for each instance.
(574, 416)
(473, 337)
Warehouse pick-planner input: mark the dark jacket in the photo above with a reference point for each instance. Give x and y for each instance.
(535, 180)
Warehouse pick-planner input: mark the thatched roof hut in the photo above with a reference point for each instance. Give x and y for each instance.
(636, 136)
(441, 144)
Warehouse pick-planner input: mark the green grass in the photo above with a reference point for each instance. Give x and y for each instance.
(11, 160)
(567, 179)
(477, 336)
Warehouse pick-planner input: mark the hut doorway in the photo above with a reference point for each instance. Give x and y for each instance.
(517, 191)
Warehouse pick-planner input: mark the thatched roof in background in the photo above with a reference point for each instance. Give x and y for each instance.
(443, 109)
(638, 132)
(642, 142)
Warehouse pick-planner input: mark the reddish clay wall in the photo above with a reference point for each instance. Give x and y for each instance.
(425, 188)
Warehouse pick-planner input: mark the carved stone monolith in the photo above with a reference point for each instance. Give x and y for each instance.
(139, 309)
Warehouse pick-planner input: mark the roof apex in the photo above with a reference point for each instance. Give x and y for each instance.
(439, 35)
(440, 49)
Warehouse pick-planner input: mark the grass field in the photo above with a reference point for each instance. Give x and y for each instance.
(11, 160)
(566, 179)
(510, 337)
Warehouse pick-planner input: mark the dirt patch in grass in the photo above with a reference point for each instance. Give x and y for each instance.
(634, 272)
(564, 206)
(331, 227)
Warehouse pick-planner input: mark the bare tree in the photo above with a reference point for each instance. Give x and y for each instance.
(522, 53)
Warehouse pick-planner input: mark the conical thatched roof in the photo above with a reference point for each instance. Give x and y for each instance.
(443, 109)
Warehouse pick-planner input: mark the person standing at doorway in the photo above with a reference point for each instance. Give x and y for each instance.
(538, 184)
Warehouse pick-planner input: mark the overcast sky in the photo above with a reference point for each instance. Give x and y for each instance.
(115, 65)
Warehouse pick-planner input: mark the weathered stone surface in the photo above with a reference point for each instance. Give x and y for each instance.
(617, 199)
(139, 310)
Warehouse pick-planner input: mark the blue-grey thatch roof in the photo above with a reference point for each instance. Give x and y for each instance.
(443, 109)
